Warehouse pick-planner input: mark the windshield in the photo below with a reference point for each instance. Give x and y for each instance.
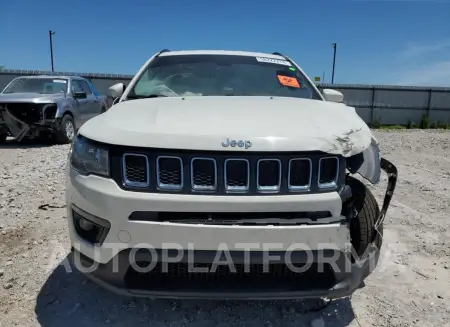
(37, 85)
(222, 75)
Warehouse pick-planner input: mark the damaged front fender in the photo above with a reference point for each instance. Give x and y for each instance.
(369, 165)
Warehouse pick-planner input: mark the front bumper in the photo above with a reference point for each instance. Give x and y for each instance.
(20, 129)
(319, 280)
(315, 244)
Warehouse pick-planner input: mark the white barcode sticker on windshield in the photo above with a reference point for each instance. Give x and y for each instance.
(59, 81)
(273, 61)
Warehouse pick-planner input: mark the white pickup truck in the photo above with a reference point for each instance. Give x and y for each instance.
(226, 174)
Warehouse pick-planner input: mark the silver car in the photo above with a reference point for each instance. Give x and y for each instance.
(33, 106)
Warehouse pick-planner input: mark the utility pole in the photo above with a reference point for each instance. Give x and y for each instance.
(50, 34)
(334, 62)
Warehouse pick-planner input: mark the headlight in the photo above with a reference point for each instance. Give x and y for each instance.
(89, 158)
(50, 111)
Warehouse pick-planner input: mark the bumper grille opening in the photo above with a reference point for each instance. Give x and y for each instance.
(231, 218)
(27, 112)
(328, 172)
(136, 172)
(169, 172)
(204, 174)
(206, 277)
(237, 175)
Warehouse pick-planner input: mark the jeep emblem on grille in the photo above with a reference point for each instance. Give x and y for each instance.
(237, 143)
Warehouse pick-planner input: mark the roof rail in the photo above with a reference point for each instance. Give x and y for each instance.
(162, 51)
(280, 54)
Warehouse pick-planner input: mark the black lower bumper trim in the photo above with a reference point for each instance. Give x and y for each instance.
(333, 280)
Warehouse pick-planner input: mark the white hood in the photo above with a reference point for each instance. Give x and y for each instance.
(203, 123)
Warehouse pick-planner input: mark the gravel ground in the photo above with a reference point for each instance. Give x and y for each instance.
(410, 287)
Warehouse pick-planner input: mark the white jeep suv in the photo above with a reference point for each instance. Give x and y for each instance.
(225, 174)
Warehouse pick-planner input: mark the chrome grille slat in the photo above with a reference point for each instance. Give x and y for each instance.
(232, 181)
(135, 174)
(203, 174)
(273, 187)
(169, 172)
(293, 184)
(331, 183)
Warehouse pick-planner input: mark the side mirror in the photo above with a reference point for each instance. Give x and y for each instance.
(79, 95)
(333, 95)
(116, 90)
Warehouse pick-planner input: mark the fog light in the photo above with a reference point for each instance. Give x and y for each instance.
(89, 227)
(85, 224)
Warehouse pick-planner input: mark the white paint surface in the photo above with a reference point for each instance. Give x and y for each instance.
(203, 123)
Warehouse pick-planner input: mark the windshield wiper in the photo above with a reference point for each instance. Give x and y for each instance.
(146, 96)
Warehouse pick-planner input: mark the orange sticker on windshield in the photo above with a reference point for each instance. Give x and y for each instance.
(288, 81)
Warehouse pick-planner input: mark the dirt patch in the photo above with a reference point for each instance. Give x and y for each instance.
(14, 241)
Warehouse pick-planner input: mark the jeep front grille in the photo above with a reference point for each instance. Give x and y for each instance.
(216, 173)
(268, 175)
(328, 172)
(169, 172)
(136, 170)
(300, 174)
(203, 174)
(237, 175)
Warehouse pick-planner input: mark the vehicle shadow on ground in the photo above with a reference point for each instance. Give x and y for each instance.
(69, 299)
(28, 144)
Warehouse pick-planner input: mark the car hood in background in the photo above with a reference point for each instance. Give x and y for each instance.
(29, 97)
(203, 123)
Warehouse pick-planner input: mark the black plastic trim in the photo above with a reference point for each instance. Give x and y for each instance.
(116, 153)
(103, 224)
(113, 279)
(392, 173)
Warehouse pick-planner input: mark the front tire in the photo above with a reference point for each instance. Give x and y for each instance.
(362, 227)
(67, 130)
